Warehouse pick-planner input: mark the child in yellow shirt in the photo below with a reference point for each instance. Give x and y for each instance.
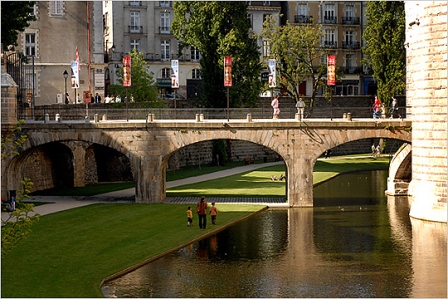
(190, 216)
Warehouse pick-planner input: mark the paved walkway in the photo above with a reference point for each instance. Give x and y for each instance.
(60, 203)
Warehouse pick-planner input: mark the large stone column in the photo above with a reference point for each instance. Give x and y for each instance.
(426, 94)
(149, 179)
(300, 182)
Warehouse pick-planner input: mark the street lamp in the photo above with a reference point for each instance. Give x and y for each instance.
(65, 74)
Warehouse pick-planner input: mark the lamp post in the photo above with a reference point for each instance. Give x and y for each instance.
(65, 74)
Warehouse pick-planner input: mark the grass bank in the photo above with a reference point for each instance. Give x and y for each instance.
(69, 253)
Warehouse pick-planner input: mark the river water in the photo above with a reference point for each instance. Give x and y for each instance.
(354, 242)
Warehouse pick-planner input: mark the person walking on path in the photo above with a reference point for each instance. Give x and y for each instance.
(201, 209)
(275, 104)
(300, 105)
(67, 98)
(213, 213)
(189, 216)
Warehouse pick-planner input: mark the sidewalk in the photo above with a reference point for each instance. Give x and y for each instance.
(61, 203)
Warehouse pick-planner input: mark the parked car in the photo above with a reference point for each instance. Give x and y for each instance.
(170, 96)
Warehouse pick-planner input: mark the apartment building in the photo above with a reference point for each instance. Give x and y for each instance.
(342, 25)
(50, 44)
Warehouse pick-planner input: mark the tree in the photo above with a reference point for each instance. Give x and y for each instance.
(16, 16)
(219, 29)
(297, 50)
(19, 221)
(384, 50)
(143, 87)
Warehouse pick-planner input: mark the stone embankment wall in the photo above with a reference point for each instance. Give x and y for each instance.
(426, 86)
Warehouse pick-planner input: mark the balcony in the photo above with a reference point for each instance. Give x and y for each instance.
(165, 30)
(302, 19)
(330, 45)
(351, 45)
(135, 29)
(352, 70)
(350, 20)
(330, 20)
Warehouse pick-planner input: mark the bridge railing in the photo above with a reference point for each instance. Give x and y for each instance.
(80, 112)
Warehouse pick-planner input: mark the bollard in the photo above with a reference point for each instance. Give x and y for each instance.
(96, 118)
(104, 116)
(197, 118)
(349, 116)
(249, 117)
(201, 117)
(344, 116)
(47, 117)
(297, 116)
(57, 117)
(150, 117)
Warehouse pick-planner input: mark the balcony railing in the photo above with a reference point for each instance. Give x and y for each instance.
(159, 57)
(302, 19)
(351, 45)
(135, 29)
(165, 30)
(352, 70)
(350, 20)
(330, 45)
(330, 20)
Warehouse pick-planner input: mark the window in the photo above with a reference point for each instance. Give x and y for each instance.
(349, 61)
(134, 3)
(194, 53)
(166, 72)
(165, 3)
(55, 8)
(135, 22)
(34, 13)
(266, 48)
(349, 11)
(250, 18)
(266, 3)
(195, 74)
(302, 9)
(165, 50)
(135, 43)
(165, 23)
(265, 16)
(349, 37)
(30, 44)
(329, 14)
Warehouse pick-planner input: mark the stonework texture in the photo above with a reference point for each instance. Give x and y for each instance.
(426, 87)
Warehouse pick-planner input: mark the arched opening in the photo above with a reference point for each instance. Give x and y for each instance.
(107, 165)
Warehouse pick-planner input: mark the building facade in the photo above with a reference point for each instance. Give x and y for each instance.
(51, 42)
(342, 25)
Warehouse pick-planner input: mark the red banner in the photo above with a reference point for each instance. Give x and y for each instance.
(127, 71)
(228, 71)
(331, 70)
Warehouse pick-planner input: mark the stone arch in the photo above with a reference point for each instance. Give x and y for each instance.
(47, 165)
(400, 171)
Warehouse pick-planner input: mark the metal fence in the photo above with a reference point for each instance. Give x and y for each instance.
(102, 111)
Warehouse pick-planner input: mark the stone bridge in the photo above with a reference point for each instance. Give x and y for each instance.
(149, 144)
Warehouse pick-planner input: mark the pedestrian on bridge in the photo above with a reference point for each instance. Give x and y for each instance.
(275, 104)
(201, 209)
(300, 105)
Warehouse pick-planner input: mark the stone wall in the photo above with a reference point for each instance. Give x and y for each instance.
(426, 87)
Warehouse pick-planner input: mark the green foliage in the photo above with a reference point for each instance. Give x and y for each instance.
(16, 16)
(296, 49)
(143, 87)
(12, 141)
(17, 225)
(219, 29)
(384, 50)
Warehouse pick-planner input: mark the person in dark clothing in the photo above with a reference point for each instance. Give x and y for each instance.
(201, 209)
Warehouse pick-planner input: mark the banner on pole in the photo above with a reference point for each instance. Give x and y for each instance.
(75, 74)
(77, 59)
(126, 70)
(227, 71)
(175, 75)
(272, 73)
(331, 70)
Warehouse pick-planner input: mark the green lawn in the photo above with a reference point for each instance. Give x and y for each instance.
(69, 253)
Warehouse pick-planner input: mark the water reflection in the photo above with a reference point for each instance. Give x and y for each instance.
(363, 246)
